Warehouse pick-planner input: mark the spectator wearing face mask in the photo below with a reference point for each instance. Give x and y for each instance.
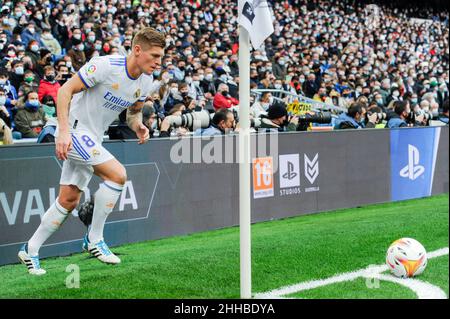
(10, 91)
(77, 55)
(385, 90)
(174, 97)
(29, 84)
(16, 74)
(394, 96)
(30, 33)
(223, 99)
(45, 60)
(4, 113)
(48, 85)
(188, 100)
(32, 51)
(279, 67)
(262, 106)
(49, 106)
(207, 83)
(50, 42)
(31, 119)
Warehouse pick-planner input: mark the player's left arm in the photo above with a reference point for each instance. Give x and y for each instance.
(134, 121)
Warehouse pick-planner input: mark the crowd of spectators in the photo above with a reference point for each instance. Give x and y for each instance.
(342, 53)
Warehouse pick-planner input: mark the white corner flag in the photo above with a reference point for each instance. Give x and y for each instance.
(256, 24)
(256, 18)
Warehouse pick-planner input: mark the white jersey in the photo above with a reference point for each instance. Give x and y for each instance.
(110, 90)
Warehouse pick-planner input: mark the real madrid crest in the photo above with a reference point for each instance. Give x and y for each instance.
(137, 94)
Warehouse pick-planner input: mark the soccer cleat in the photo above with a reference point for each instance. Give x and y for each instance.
(101, 251)
(32, 262)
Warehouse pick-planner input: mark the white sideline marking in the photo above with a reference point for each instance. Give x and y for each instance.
(423, 290)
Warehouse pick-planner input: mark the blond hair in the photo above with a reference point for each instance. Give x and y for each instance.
(149, 37)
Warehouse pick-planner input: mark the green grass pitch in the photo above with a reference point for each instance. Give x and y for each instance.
(284, 252)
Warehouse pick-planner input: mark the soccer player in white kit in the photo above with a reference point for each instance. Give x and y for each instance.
(96, 95)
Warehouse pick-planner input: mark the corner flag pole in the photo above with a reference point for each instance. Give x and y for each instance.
(255, 24)
(244, 164)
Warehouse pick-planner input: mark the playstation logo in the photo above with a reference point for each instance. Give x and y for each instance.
(290, 174)
(289, 166)
(413, 170)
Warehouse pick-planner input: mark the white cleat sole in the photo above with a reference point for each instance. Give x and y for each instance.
(111, 259)
(23, 257)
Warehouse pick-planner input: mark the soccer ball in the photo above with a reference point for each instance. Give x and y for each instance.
(406, 258)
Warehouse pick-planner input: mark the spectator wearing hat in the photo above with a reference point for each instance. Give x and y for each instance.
(50, 42)
(49, 85)
(277, 119)
(6, 22)
(30, 33)
(10, 54)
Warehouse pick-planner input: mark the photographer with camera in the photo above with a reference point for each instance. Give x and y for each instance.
(223, 122)
(403, 117)
(276, 120)
(354, 118)
(375, 117)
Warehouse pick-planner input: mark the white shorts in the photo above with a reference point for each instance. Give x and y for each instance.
(86, 152)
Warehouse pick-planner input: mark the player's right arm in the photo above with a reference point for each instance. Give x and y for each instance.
(65, 93)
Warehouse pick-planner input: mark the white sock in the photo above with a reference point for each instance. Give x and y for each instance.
(105, 199)
(53, 218)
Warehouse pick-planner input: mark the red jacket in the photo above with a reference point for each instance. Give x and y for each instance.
(222, 102)
(47, 88)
